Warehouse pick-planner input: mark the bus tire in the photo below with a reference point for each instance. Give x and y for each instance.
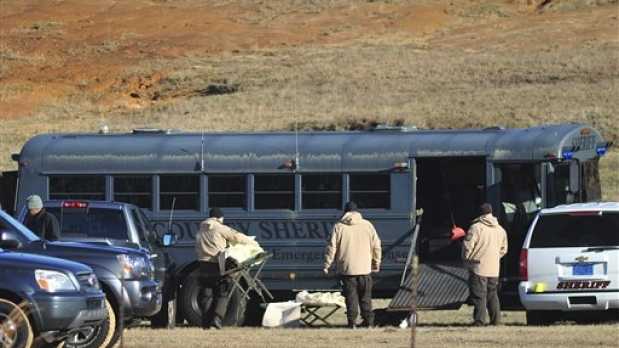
(190, 303)
(166, 317)
(254, 312)
(237, 308)
(15, 328)
(104, 335)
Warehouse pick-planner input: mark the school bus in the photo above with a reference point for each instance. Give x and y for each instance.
(288, 189)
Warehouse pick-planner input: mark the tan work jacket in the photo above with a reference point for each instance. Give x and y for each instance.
(354, 246)
(484, 246)
(214, 237)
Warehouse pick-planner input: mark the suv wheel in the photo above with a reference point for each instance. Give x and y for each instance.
(104, 335)
(15, 328)
(541, 318)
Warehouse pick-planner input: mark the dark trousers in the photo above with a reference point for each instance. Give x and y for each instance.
(358, 293)
(214, 292)
(483, 294)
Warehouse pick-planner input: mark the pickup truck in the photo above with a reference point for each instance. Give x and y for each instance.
(45, 297)
(117, 224)
(126, 276)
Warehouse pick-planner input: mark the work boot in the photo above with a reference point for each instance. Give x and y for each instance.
(217, 324)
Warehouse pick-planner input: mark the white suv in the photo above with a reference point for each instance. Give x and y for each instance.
(569, 264)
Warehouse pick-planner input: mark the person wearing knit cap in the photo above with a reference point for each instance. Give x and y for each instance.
(354, 247)
(484, 245)
(39, 221)
(211, 240)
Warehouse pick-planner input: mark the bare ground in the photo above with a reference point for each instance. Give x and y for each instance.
(436, 329)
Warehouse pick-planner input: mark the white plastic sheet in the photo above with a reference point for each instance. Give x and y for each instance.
(278, 314)
(321, 298)
(243, 252)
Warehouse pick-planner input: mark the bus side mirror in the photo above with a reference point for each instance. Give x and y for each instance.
(574, 177)
(168, 239)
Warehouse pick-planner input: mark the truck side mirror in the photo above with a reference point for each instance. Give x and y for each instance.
(168, 239)
(8, 241)
(574, 177)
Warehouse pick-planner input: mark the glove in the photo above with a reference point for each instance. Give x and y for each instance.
(325, 271)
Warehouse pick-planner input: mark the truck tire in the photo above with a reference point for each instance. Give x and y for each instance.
(15, 328)
(190, 303)
(104, 335)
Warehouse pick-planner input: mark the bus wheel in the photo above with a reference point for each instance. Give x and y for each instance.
(191, 297)
(166, 318)
(237, 308)
(15, 328)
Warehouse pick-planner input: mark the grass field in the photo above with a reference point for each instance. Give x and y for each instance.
(439, 329)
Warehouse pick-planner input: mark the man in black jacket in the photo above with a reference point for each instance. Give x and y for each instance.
(39, 221)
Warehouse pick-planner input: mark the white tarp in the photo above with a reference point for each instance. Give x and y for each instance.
(243, 252)
(280, 314)
(321, 298)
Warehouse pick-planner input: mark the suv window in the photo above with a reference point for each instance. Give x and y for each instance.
(90, 223)
(576, 230)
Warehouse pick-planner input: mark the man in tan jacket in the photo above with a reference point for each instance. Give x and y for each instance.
(212, 239)
(355, 247)
(483, 247)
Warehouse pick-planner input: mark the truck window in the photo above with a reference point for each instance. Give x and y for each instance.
(139, 225)
(576, 230)
(371, 191)
(274, 191)
(91, 223)
(77, 187)
(134, 189)
(321, 191)
(185, 188)
(226, 191)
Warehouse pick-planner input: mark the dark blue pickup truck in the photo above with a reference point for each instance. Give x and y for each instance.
(46, 297)
(118, 224)
(126, 276)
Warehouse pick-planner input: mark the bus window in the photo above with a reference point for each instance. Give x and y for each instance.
(371, 191)
(321, 191)
(185, 188)
(274, 191)
(558, 188)
(135, 189)
(77, 187)
(226, 191)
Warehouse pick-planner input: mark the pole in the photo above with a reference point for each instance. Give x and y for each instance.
(413, 318)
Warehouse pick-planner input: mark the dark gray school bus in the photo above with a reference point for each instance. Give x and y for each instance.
(288, 189)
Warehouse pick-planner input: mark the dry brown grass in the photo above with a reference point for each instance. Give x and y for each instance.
(437, 329)
(431, 81)
(385, 81)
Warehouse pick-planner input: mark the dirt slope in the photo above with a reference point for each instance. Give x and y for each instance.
(53, 50)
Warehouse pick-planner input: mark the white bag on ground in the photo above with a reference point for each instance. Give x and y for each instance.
(282, 314)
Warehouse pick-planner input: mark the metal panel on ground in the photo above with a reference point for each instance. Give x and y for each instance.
(440, 286)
